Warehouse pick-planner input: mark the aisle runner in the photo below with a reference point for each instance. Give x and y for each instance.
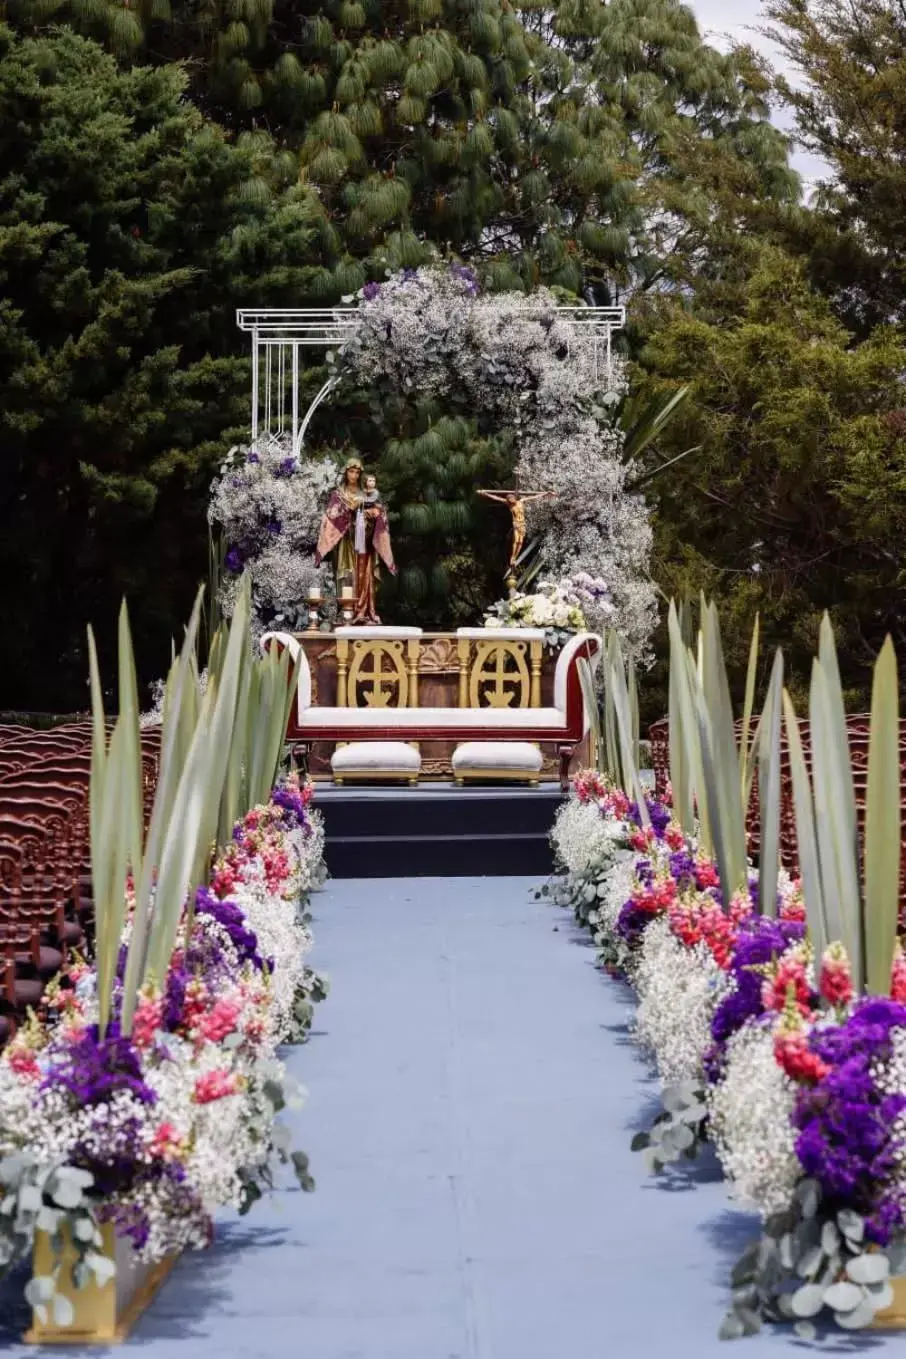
(468, 1125)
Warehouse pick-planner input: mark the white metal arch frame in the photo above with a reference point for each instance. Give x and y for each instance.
(279, 336)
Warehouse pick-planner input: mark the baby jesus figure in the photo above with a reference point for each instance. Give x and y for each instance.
(372, 540)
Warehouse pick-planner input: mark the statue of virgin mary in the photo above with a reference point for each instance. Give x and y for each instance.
(355, 527)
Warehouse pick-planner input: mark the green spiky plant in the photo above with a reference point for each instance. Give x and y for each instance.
(850, 896)
(711, 774)
(229, 738)
(613, 718)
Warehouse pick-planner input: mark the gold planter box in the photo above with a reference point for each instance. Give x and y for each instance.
(104, 1314)
(893, 1318)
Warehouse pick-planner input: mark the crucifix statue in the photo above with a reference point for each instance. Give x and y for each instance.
(516, 502)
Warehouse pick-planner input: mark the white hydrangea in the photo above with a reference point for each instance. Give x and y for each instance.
(679, 989)
(750, 1112)
(890, 1077)
(618, 887)
(581, 834)
(521, 364)
(268, 507)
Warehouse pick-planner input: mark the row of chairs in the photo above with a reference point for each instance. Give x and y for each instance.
(45, 876)
(858, 727)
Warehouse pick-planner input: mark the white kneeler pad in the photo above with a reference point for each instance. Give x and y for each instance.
(513, 761)
(376, 760)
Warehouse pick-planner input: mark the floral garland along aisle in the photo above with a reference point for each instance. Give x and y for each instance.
(154, 1132)
(761, 1050)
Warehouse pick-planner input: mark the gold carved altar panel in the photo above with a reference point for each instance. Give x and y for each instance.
(433, 670)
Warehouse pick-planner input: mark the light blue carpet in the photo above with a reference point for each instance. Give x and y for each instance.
(472, 1095)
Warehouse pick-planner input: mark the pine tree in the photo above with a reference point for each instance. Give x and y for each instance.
(793, 502)
(655, 137)
(576, 144)
(850, 106)
(129, 232)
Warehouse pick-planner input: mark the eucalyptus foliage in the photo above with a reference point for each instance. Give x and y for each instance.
(811, 1263)
(38, 1197)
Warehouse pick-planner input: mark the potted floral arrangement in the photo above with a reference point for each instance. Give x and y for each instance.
(560, 607)
(148, 1094)
(774, 1008)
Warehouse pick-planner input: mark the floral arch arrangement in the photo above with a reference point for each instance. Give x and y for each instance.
(519, 367)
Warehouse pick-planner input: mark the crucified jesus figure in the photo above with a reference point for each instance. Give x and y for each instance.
(516, 502)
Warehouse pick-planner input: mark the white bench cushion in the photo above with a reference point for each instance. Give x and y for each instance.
(515, 755)
(402, 718)
(381, 756)
(502, 634)
(377, 630)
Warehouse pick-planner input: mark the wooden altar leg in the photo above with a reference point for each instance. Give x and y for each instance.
(566, 754)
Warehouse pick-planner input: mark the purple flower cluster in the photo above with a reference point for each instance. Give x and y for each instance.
(131, 1221)
(371, 291)
(234, 560)
(759, 941)
(287, 468)
(292, 806)
(635, 915)
(658, 814)
(845, 1120)
(231, 919)
(632, 922)
(682, 869)
(93, 1069)
(466, 276)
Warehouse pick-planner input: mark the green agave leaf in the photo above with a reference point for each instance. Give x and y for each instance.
(722, 774)
(255, 680)
(259, 751)
(211, 812)
(835, 814)
(769, 790)
(633, 684)
(590, 699)
(286, 680)
(752, 765)
(692, 730)
(680, 768)
(806, 834)
(615, 666)
(113, 851)
(98, 745)
(711, 789)
(292, 690)
(611, 754)
(882, 825)
(231, 809)
(686, 624)
(621, 705)
(198, 796)
(747, 751)
(133, 788)
(259, 754)
(170, 768)
(845, 819)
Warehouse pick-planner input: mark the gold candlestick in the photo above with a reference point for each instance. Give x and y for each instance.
(315, 600)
